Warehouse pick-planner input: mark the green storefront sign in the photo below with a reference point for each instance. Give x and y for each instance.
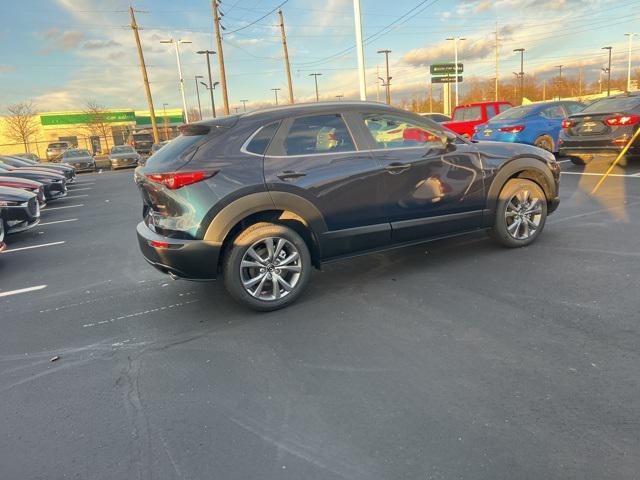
(84, 118)
(160, 118)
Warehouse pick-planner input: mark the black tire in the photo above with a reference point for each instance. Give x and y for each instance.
(233, 272)
(581, 160)
(545, 142)
(506, 201)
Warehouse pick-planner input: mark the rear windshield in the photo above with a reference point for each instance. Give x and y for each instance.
(76, 153)
(514, 113)
(467, 114)
(173, 152)
(142, 137)
(612, 105)
(58, 145)
(122, 149)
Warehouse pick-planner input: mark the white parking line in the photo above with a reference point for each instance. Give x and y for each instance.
(79, 189)
(22, 290)
(58, 221)
(76, 196)
(563, 161)
(33, 246)
(66, 206)
(600, 174)
(82, 183)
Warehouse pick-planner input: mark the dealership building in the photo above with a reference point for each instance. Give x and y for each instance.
(77, 128)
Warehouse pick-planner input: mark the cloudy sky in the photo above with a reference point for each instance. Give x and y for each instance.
(61, 53)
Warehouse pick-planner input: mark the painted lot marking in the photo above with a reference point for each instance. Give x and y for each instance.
(22, 290)
(601, 174)
(138, 314)
(563, 161)
(58, 221)
(59, 208)
(82, 183)
(76, 196)
(33, 246)
(80, 189)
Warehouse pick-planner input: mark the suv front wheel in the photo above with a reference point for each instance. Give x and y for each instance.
(267, 267)
(521, 213)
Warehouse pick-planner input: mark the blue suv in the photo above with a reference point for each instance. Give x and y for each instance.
(264, 197)
(537, 124)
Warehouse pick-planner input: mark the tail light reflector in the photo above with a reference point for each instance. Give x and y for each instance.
(174, 180)
(514, 129)
(566, 123)
(157, 244)
(620, 120)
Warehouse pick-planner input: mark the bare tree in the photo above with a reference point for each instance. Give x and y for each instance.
(96, 122)
(194, 115)
(21, 123)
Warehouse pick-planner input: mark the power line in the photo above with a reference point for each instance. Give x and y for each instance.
(256, 21)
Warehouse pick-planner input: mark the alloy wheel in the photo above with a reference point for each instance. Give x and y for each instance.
(270, 268)
(523, 214)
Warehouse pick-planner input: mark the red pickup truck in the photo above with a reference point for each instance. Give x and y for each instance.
(466, 117)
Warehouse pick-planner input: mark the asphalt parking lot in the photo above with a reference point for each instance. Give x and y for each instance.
(457, 359)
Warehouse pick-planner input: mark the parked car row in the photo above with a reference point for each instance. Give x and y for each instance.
(26, 188)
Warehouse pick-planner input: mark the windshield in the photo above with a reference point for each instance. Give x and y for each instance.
(122, 149)
(613, 105)
(514, 113)
(76, 153)
(467, 114)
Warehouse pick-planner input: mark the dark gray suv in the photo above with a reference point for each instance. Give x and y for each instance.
(262, 198)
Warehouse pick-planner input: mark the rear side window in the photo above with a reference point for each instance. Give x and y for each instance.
(491, 111)
(262, 138)
(554, 111)
(572, 108)
(467, 114)
(318, 134)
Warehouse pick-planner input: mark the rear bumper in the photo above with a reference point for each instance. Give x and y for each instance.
(188, 259)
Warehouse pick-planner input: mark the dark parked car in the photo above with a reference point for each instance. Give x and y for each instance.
(264, 196)
(66, 170)
(603, 127)
(55, 186)
(28, 185)
(55, 150)
(80, 159)
(123, 156)
(21, 210)
(29, 156)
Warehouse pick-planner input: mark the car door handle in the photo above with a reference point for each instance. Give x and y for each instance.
(290, 175)
(396, 167)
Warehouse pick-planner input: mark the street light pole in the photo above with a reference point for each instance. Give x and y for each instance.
(213, 105)
(521, 74)
(176, 44)
(244, 104)
(360, 50)
(166, 122)
(315, 76)
(608, 71)
(559, 67)
(276, 90)
(207, 53)
(198, 94)
(387, 82)
(455, 53)
(630, 35)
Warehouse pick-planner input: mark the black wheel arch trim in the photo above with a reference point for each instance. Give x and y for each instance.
(512, 168)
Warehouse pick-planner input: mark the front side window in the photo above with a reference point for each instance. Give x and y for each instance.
(318, 134)
(393, 131)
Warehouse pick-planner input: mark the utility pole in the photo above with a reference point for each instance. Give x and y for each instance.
(276, 90)
(630, 35)
(455, 53)
(244, 104)
(315, 76)
(559, 67)
(497, 69)
(207, 53)
(521, 74)
(176, 44)
(287, 67)
(580, 81)
(360, 50)
(608, 71)
(145, 78)
(387, 81)
(377, 83)
(430, 97)
(544, 90)
(223, 75)
(198, 94)
(166, 121)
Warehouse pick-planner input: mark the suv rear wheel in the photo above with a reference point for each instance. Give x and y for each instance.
(581, 159)
(267, 267)
(520, 214)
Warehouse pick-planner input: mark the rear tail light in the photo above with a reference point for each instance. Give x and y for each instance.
(620, 120)
(174, 180)
(514, 129)
(566, 123)
(620, 141)
(157, 244)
